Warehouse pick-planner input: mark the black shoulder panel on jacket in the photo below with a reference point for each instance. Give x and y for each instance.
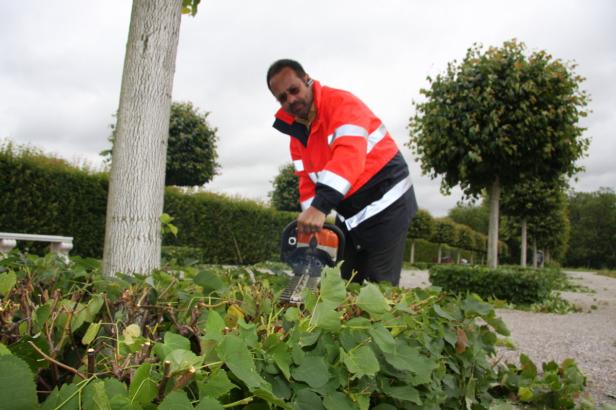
(295, 130)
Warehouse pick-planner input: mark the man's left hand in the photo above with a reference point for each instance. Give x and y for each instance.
(310, 220)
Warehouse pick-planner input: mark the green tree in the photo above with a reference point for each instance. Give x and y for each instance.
(535, 201)
(496, 118)
(285, 196)
(420, 228)
(444, 232)
(191, 147)
(475, 216)
(191, 153)
(593, 229)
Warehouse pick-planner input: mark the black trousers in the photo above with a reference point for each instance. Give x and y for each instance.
(376, 263)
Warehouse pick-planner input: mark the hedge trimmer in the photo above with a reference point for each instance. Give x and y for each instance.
(307, 254)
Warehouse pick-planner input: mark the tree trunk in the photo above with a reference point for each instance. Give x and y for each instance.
(458, 257)
(136, 185)
(472, 258)
(413, 251)
(535, 256)
(440, 247)
(493, 227)
(523, 250)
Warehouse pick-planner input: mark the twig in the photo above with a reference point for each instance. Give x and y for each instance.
(57, 363)
(91, 362)
(165, 379)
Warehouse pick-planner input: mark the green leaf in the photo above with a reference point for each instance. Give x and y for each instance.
(282, 358)
(209, 281)
(183, 360)
(172, 341)
(95, 396)
(94, 306)
(4, 350)
(338, 401)
(307, 400)
(234, 352)
(410, 359)
(215, 326)
(473, 304)
(91, 333)
(372, 300)
(292, 314)
(7, 282)
(383, 338)
(216, 385)
(497, 323)
(142, 388)
(209, 403)
(442, 313)
(525, 393)
(165, 218)
(404, 393)
(326, 317)
(332, 286)
(176, 400)
(269, 397)
(114, 387)
(67, 398)
(314, 371)
(360, 362)
(17, 384)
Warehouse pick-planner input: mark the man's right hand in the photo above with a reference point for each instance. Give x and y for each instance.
(310, 220)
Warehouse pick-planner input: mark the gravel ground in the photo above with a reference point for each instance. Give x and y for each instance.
(588, 337)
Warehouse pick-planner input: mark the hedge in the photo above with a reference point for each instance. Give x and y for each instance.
(45, 195)
(513, 284)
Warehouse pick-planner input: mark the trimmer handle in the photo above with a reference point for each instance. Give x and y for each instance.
(290, 239)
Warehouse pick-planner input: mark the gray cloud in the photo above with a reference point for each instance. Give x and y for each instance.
(61, 66)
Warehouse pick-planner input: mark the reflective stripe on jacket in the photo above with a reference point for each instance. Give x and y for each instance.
(347, 160)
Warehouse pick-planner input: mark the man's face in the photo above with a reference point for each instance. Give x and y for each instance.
(292, 92)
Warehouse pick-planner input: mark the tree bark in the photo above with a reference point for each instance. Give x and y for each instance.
(535, 256)
(440, 247)
(523, 250)
(493, 227)
(413, 251)
(136, 185)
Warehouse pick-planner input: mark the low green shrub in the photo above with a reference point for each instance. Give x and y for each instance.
(208, 336)
(513, 284)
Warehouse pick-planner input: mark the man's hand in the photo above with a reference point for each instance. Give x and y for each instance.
(310, 220)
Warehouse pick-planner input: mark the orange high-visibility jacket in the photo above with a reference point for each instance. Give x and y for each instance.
(347, 160)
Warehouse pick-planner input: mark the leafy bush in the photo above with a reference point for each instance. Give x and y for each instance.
(205, 335)
(513, 284)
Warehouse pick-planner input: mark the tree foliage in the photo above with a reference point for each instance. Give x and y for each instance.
(285, 196)
(593, 229)
(497, 118)
(498, 113)
(191, 154)
(191, 150)
(475, 216)
(421, 225)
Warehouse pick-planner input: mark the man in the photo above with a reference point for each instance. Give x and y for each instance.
(346, 161)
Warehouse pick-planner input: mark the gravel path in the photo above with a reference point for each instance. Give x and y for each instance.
(588, 337)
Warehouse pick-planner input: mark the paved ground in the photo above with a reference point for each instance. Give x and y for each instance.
(588, 337)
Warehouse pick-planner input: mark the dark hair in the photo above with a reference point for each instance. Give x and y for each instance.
(279, 65)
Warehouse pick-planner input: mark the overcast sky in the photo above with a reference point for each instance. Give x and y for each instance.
(61, 66)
